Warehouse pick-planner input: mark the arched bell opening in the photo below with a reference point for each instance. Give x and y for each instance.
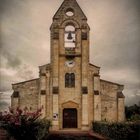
(70, 36)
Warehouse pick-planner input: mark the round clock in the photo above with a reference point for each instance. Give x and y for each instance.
(70, 63)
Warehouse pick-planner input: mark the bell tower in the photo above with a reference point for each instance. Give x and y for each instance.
(70, 64)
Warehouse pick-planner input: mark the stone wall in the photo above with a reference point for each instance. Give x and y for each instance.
(28, 94)
(108, 101)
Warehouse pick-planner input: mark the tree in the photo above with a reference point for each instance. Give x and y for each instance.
(132, 112)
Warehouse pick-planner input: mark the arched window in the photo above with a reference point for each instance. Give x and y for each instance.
(69, 36)
(72, 79)
(69, 80)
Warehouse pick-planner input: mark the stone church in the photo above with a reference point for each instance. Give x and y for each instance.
(69, 88)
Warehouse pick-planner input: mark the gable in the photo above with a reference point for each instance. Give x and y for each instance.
(70, 4)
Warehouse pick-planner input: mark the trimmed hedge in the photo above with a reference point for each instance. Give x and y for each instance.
(118, 131)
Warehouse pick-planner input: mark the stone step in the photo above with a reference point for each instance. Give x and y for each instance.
(69, 137)
(74, 135)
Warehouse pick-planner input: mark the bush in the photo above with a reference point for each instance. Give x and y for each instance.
(42, 129)
(132, 113)
(135, 117)
(24, 124)
(118, 131)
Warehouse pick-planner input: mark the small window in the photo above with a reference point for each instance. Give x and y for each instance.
(69, 12)
(97, 106)
(69, 80)
(72, 80)
(55, 90)
(15, 94)
(96, 92)
(55, 35)
(84, 36)
(43, 92)
(84, 90)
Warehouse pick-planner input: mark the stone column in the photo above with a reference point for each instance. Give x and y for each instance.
(48, 95)
(85, 122)
(43, 94)
(85, 70)
(97, 98)
(90, 97)
(121, 110)
(55, 121)
(56, 45)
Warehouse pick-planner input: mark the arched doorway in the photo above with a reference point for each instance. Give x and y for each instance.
(70, 118)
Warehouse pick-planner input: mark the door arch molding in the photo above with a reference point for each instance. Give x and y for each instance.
(70, 104)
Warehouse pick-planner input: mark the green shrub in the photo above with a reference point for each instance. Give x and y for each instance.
(118, 131)
(132, 113)
(135, 117)
(42, 129)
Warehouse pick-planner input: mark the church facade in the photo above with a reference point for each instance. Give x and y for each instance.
(69, 88)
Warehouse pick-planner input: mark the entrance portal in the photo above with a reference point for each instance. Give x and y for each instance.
(70, 118)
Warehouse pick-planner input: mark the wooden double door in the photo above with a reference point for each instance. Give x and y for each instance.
(70, 118)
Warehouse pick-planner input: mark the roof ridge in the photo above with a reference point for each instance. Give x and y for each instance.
(111, 82)
(26, 81)
(94, 65)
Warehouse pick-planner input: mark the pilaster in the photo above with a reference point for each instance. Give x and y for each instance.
(97, 98)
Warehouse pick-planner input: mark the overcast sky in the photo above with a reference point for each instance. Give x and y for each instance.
(114, 40)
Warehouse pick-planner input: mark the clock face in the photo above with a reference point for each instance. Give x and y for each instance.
(70, 63)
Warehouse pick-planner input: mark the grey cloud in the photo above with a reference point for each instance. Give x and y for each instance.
(132, 98)
(3, 105)
(6, 81)
(23, 33)
(10, 76)
(12, 60)
(4, 101)
(25, 72)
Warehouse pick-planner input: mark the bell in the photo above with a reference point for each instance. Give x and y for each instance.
(69, 36)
